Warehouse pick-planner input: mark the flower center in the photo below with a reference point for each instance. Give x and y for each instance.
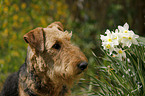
(124, 37)
(115, 37)
(120, 51)
(125, 31)
(129, 38)
(108, 46)
(109, 40)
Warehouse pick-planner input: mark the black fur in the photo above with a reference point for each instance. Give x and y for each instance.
(29, 92)
(10, 87)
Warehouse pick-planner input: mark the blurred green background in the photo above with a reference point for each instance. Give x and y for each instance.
(87, 19)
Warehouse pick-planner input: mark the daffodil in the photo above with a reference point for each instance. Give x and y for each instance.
(129, 39)
(116, 36)
(109, 41)
(115, 41)
(111, 37)
(108, 46)
(106, 38)
(124, 28)
(120, 53)
(127, 36)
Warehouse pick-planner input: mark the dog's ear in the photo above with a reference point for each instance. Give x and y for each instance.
(35, 38)
(57, 24)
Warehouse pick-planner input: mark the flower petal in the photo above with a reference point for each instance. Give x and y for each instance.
(107, 32)
(126, 26)
(134, 41)
(136, 36)
(121, 29)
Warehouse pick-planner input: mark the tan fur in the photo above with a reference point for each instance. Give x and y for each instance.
(55, 70)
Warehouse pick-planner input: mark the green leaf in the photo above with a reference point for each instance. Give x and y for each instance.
(141, 40)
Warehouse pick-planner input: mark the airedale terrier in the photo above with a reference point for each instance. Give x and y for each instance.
(52, 64)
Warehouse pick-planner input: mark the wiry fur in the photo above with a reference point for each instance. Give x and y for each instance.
(47, 71)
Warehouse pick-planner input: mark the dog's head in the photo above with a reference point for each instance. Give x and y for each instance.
(54, 53)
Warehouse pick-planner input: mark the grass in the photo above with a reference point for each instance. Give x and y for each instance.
(119, 78)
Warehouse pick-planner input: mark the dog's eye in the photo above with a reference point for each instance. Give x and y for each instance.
(56, 46)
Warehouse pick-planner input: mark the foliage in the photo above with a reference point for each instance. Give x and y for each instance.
(123, 78)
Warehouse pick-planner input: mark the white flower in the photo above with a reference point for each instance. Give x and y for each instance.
(107, 38)
(108, 46)
(117, 36)
(120, 53)
(111, 37)
(124, 29)
(127, 37)
(114, 41)
(109, 41)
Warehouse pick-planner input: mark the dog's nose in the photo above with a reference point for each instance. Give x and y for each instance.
(83, 65)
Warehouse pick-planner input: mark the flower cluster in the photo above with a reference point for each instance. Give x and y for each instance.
(116, 41)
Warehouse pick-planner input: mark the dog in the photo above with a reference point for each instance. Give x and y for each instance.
(52, 64)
